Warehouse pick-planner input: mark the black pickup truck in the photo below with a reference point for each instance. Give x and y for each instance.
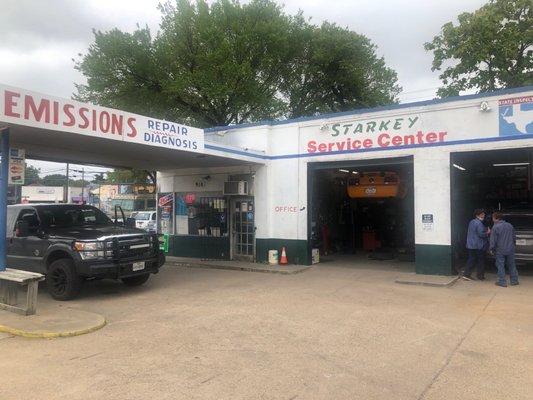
(70, 243)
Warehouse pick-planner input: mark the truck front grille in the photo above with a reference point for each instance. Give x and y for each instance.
(130, 248)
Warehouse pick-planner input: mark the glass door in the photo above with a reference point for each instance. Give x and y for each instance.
(243, 229)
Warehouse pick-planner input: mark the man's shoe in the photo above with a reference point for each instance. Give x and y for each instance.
(500, 284)
(481, 278)
(515, 283)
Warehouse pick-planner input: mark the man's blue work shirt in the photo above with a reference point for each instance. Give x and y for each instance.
(502, 239)
(476, 238)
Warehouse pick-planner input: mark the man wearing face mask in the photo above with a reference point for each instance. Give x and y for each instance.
(476, 244)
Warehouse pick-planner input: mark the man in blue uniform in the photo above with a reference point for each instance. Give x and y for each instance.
(502, 245)
(476, 244)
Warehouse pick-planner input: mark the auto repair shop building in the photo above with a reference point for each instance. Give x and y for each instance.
(452, 155)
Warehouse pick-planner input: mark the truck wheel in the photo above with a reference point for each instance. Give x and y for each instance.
(62, 280)
(136, 280)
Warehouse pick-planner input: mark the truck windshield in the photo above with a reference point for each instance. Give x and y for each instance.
(143, 216)
(68, 216)
(520, 221)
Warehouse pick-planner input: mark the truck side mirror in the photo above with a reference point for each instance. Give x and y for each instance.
(22, 229)
(130, 223)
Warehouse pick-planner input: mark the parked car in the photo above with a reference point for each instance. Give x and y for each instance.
(69, 243)
(146, 220)
(522, 221)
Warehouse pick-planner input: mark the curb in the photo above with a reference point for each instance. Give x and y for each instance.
(432, 284)
(239, 268)
(51, 335)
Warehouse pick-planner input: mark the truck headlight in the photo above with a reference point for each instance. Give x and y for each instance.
(90, 250)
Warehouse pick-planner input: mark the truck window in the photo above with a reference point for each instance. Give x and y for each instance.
(30, 216)
(12, 215)
(68, 216)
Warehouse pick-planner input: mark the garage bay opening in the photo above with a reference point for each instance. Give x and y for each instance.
(362, 212)
(496, 180)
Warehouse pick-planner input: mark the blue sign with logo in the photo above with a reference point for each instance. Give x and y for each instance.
(516, 116)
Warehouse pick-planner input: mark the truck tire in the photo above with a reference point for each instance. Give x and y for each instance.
(137, 280)
(62, 280)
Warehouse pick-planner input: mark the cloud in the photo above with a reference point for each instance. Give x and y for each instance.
(399, 28)
(39, 38)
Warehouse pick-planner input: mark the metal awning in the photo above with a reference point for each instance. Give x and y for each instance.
(49, 145)
(55, 129)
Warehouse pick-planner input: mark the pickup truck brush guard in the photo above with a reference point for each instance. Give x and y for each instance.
(70, 243)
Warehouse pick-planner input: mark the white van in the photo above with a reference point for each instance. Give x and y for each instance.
(146, 220)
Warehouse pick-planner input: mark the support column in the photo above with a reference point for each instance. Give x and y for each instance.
(4, 176)
(433, 250)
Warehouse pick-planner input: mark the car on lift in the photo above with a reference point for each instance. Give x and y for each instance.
(377, 185)
(70, 243)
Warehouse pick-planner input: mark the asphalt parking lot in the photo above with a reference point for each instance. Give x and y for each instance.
(332, 332)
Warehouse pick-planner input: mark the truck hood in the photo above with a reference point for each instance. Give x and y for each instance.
(93, 232)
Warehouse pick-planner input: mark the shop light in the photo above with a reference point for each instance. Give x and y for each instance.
(344, 170)
(459, 167)
(355, 172)
(518, 164)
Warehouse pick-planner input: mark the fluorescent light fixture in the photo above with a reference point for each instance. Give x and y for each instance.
(459, 167)
(355, 172)
(517, 164)
(344, 170)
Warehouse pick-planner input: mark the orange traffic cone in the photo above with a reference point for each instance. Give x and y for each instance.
(283, 259)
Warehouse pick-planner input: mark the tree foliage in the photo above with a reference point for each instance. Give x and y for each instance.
(489, 49)
(226, 63)
(31, 175)
(128, 176)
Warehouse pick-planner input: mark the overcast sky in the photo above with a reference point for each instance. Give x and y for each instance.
(40, 38)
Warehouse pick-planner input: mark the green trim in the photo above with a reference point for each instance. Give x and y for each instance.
(297, 250)
(433, 259)
(216, 248)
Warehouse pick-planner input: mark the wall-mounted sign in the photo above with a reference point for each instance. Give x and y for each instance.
(17, 166)
(427, 222)
(516, 116)
(285, 209)
(396, 128)
(22, 107)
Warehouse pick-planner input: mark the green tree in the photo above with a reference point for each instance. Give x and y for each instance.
(99, 178)
(31, 175)
(128, 176)
(228, 63)
(336, 69)
(489, 49)
(54, 180)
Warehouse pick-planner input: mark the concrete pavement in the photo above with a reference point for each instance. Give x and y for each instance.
(335, 332)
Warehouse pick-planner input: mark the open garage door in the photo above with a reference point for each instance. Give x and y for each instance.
(496, 180)
(363, 211)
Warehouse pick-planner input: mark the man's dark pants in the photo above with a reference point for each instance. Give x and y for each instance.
(476, 258)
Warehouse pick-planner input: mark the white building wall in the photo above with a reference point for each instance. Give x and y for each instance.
(284, 151)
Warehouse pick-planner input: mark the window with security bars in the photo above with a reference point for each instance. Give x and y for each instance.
(201, 214)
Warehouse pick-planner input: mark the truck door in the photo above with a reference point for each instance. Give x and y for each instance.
(26, 253)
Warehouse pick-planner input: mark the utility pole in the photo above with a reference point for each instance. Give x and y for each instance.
(66, 197)
(82, 185)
